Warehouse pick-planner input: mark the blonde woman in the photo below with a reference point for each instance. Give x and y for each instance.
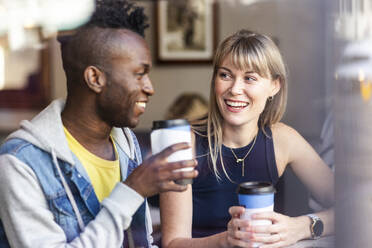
(242, 139)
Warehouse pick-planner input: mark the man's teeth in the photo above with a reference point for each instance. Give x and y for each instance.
(236, 104)
(141, 104)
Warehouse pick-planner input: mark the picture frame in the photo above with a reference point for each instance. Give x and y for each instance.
(186, 31)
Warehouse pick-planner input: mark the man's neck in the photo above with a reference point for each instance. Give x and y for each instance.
(88, 130)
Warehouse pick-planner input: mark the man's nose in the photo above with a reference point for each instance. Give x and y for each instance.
(148, 88)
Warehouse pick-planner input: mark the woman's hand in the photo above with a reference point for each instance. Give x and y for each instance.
(284, 230)
(236, 227)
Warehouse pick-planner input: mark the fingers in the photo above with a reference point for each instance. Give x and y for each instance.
(172, 149)
(178, 175)
(258, 230)
(274, 217)
(237, 243)
(236, 211)
(172, 171)
(274, 228)
(178, 170)
(274, 240)
(237, 224)
(266, 238)
(243, 233)
(169, 176)
(180, 165)
(236, 237)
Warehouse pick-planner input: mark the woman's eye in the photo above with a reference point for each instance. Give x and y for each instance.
(248, 78)
(224, 75)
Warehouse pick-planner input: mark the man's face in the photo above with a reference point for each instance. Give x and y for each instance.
(128, 85)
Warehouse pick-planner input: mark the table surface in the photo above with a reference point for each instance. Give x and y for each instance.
(324, 242)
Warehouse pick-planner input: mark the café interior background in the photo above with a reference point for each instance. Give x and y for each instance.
(297, 25)
(306, 34)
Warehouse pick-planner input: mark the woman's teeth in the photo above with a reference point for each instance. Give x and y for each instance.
(237, 104)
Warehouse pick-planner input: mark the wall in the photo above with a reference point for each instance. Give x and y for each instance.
(298, 25)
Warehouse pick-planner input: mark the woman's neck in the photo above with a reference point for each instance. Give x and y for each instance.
(239, 136)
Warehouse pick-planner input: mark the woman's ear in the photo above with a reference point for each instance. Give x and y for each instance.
(94, 78)
(275, 86)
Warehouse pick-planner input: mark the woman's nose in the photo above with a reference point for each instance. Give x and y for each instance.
(237, 86)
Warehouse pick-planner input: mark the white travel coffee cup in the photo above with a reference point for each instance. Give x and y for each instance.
(256, 197)
(168, 132)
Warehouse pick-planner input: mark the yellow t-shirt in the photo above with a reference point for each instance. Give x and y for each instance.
(103, 174)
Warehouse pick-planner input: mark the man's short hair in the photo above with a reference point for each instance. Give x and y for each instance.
(119, 14)
(90, 44)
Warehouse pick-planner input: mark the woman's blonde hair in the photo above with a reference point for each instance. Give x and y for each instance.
(247, 50)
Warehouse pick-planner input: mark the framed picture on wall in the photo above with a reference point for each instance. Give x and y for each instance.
(186, 31)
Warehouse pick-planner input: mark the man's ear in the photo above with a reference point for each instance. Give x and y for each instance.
(94, 78)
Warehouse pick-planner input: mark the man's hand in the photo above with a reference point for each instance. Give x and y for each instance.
(156, 175)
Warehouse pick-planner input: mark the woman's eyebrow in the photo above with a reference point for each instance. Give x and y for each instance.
(250, 72)
(224, 68)
(227, 69)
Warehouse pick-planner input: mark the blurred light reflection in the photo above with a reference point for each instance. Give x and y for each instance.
(46, 16)
(354, 25)
(2, 68)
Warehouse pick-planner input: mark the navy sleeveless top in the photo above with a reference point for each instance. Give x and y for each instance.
(213, 197)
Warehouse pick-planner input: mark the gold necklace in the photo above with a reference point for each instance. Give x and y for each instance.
(238, 160)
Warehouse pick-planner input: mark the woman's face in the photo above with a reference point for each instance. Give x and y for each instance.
(242, 94)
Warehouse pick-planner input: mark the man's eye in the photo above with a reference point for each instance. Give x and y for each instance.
(140, 75)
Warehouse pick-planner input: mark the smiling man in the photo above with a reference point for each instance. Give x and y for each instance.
(73, 176)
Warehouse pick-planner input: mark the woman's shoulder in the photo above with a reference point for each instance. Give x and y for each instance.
(285, 137)
(281, 130)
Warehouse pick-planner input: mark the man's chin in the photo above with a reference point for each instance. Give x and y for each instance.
(134, 124)
(131, 124)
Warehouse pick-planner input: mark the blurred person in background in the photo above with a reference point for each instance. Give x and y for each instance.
(189, 106)
(242, 139)
(73, 176)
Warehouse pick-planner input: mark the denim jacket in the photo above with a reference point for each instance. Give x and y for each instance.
(55, 204)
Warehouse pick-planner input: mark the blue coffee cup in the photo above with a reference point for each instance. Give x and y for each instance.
(256, 197)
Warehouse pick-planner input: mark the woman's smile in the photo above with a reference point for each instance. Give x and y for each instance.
(236, 106)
